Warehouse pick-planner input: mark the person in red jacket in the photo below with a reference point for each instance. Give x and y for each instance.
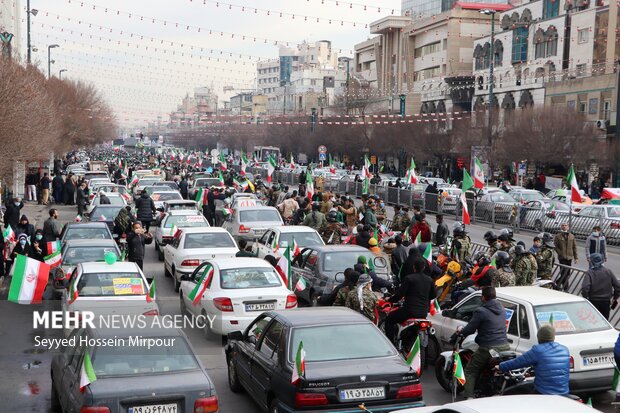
(421, 227)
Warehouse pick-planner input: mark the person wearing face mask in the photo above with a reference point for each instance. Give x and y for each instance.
(11, 215)
(25, 227)
(600, 286)
(596, 244)
(22, 247)
(536, 245)
(51, 228)
(38, 248)
(380, 212)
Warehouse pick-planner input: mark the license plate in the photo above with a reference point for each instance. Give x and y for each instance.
(607, 359)
(367, 393)
(154, 408)
(260, 307)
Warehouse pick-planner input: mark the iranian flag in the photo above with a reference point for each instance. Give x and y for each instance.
(9, 234)
(309, 185)
(458, 371)
(150, 296)
(299, 368)
(201, 286)
(227, 212)
(435, 308)
(571, 179)
(244, 164)
(296, 249)
(54, 259)
(134, 181)
(283, 267)
(412, 177)
(292, 162)
(73, 293)
(223, 166)
(478, 174)
(29, 280)
(221, 178)
(332, 170)
(275, 246)
(198, 162)
(87, 373)
(466, 185)
(120, 163)
(271, 168)
(414, 359)
(301, 284)
(418, 239)
(466, 220)
(428, 253)
(366, 169)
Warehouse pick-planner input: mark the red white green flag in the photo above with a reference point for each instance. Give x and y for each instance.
(301, 284)
(283, 267)
(87, 373)
(244, 163)
(428, 252)
(271, 168)
(73, 293)
(458, 371)
(150, 295)
(309, 185)
(54, 259)
(296, 249)
(571, 179)
(299, 368)
(9, 234)
(412, 178)
(201, 285)
(332, 169)
(366, 169)
(223, 165)
(435, 308)
(478, 174)
(292, 163)
(221, 177)
(466, 219)
(414, 359)
(29, 280)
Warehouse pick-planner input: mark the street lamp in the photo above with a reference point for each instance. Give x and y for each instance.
(49, 61)
(60, 73)
(490, 12)
(28, 13)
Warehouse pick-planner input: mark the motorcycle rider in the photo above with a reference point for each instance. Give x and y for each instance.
(461, 243)
(350, 282)
(524, 275)
(482, 275)
(332, 232)
(377, 282)
(489, 320)
(315, 219)
(505, 277)
(544, 257)
(552, 358)
(491, 238)
(362, 299)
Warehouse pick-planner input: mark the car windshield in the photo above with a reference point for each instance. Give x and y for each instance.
(341, 342)
(303, 239)
(558, 206)
(339, 261)
(87, 233)
(499, 197)
(103, 284)
(240, 278)
(185, 221)
(114, 200)
(105, 213)
(208, 240)
(571, 318)
(133, 360)
(166, 196)
(613, 212)
(78, 255)
(258, 215)
(529, 196)
(207, 182)
(147, 181)
(171, 185)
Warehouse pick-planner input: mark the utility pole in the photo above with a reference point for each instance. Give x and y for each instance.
(28, 30)
(490, 12)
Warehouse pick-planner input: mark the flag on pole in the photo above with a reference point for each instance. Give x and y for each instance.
(223, 166)
(466, 218)
(414, 360)
(551, 319)
(412, 177)
(53, 260)
(332, 170)
(271, 168)
(87, 373)
(221, 177)
(458, 371)
(29, 280)
(301, 284)
(150, 296)
(9, 234)
(201, 286)
(199, 198)
(478, 174)
(296, 249)
(366, 169)
(244, 163)
(435, 308)
(283, 267)
(467, 183)
(571, 179)
(299, 368)
(590, 402)
(73, 293)
(428, 253)
(275, 246)
(366, 186)
(309, 185)
(418, 239)
(292, 162)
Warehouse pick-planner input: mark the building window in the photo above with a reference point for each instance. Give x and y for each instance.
(582, 36)
(429, 73)
(498, 53)
(582, 107)
(606, 109)
(486, 50)
(552, 42)
(581, 69)
(570, 105)
(593, 106)
(551, 8)
(478, 57)
(427, 49)
(519, 44)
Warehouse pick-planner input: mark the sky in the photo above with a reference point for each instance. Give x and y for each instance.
(146, 55)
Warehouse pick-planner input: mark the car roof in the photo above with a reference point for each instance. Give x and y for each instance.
(167, 191)
(149, 330)
(203, 230)
(263, 207)
(287, 229)
(90, 243)
(97, 224)
(338, 248)
(118, 266)
(303, 317)
(241, 262)
(509, 404)
(183, 212)
(111, 194)
(537, 295)
(180, 202)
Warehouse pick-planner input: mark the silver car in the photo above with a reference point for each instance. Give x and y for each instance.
(250, 223)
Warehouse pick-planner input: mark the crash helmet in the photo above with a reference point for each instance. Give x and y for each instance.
(502, 259)
(507, 232)
(481, 259)
(458, 228)
(547, 239)
(331, 216)
(490, 236)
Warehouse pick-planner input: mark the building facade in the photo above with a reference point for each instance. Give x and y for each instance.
(10, 33)
(195, 110)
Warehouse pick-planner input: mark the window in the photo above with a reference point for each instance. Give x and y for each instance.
(551, 8)
(519, 44)
(593, 106)
(524, 325)
(466, 310)
(256, 329)
(582, 107)
(512, 315)
(271, 340)
(571, 105)
(582, 35)
(552, 42)
(427, 49)
(478, 57)
(581, 69)
(313, 257)
(498, 52)
(427, 73)
(571, 318)
(606, 109)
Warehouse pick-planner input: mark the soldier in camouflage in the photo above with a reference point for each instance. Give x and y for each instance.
(461, 243)
(532, 258)
(523, 267)
(504, 277)
(362, 299)
(491, 238)
(506, 243)
(332, 232)
(544, 257)
(351, 278)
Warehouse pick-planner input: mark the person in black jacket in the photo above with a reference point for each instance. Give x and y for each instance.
(183, 188)
(81, 198)
(25, 227)
(418, 290)
(11, 215)
(135, 245)
(145, 208)
(377, 282)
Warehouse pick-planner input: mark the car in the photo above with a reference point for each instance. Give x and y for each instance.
(544, 215)
(242, 199)
(89, 175)
(160, 194)
(348, 361)
(495, 206)
(115, 198)
(238, 290)
(562, 195)
(192, 246)
(509, 404)
(607, 216)
(579, 326)
(527, 195)
(109, 187)
(178, 205)
(320, 266)
(144, 182)
(170, 184)
(102, 288)
(450, 197)
(204, 183)
(178, 219)
(107, 214)
(167, 378)
(85, 230)
(274, 241)
(250, 223)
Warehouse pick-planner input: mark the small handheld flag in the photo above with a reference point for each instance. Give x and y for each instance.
(299, 368)
(413, 358)
(87, 373)
(150, 296)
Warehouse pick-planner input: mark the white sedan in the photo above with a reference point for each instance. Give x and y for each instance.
(274, 241)
(175, 219)
(193, 246)
(239, 290)
(161, 194)
(115, 198)
(578, 325)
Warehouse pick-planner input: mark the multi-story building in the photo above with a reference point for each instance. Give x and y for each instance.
(421, 9)
(241, 104)
(10, 39)
(196, 109)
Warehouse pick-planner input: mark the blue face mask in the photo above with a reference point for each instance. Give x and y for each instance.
(22, 242)
(39, 237)
(382, 204)
(16, 204)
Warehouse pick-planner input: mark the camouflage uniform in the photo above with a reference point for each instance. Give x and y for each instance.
(341, 297)
(369, 299)
(510, 250)
(461, 247)
(523, 271)
(545, 262)
(491, 252)
(380, 211)
(504, 278)
(333, 230)
(534, 265)
(405, 222)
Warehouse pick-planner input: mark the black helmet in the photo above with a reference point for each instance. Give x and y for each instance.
(502, 259)
(481, 259)
(520, 249)
(331, 216)
(508, 232)
(490, 236)
(547, 239)
(458, 228)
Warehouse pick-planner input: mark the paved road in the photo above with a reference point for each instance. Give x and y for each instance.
(25, 383)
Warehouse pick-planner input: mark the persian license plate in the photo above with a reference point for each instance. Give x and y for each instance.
(367, 393)
(154, 408)
(602, 359)
(260, 307)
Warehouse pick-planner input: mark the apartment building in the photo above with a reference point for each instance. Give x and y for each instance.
(10, 36)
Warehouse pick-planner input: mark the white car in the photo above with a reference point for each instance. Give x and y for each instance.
(175, 219)
(193, 246)
(579, 326)
(159, 195)
(240, 289)
(104, 289)
(508, 404)
(144, 182)
(250, 223)
(115, 198)
(275, 240)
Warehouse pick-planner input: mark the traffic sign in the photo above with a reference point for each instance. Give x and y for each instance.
(322, 157)
(322, 149)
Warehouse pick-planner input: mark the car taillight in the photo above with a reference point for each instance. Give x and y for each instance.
(151, 312)
(423, 325)
(94, 409)
(291, 301)
(223, 304)
(410, 391)
(206, 405)
(615, 225)
(243, 229)
(166, 237)
(309, 399)
(91, 197)
(190, 263)
(571, 363)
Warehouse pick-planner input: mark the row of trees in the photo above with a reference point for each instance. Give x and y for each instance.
(39, 116)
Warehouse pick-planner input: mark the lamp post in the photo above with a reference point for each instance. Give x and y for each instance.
(60, 73)
(49, 61)
(490, 12)
(28, 13)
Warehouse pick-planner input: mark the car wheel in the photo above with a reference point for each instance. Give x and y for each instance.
(167, 273)
(208, 333)
(233, 378)
(443, 375)
(274, 406)
(56, 408)
(160, 255)
(177, 284)
(432, 350)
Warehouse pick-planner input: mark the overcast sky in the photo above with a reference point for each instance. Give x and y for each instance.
(141, 83)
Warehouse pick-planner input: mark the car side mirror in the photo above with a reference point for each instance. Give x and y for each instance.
(252, 340)
(235, 335)
(379, 262)
(447, 313)
(339, 277)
